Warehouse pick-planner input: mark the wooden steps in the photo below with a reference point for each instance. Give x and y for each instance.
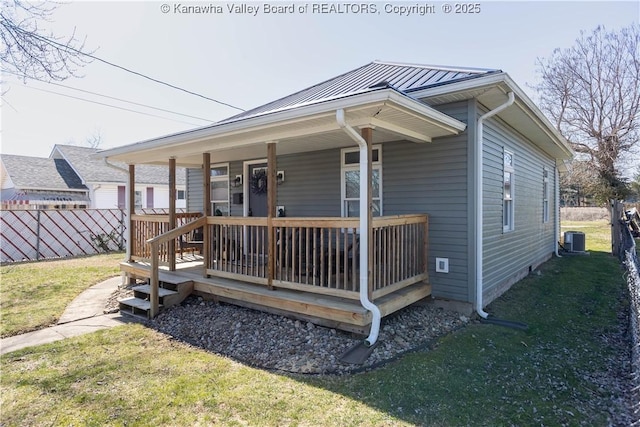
(326, 310)
(171, 291)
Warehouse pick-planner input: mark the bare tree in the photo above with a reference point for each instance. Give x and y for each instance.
(591, 92)
(95, 139)
(32, 52)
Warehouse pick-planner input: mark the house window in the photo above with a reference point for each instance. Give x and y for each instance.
(138, 200)
(508, 192)
(180, 194)
(350, 181)
(219, 177)
(545, 195)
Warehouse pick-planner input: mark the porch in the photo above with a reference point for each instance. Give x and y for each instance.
(308, 269)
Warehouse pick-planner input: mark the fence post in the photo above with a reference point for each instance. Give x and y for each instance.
(616, 216)
(38, 235)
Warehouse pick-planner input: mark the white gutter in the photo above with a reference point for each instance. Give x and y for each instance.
(556, 219)
(364, 230)
(479, 202)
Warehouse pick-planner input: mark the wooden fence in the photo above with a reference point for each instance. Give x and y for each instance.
(47, 234)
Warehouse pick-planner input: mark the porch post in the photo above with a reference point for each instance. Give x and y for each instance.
(272, 190)
(172, 211)
(131, 210)
(206, 180)
(367, 135)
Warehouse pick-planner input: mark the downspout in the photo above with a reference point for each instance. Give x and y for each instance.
(479, 202)
(556, 228)
(364, 230)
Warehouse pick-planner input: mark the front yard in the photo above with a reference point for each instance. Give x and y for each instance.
(568, 368)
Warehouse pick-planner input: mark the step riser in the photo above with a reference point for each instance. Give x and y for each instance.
(140, 307)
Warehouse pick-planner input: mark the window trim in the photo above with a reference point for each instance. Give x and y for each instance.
(508, 204)
(545, 195)
(345, 167)
(220, 178)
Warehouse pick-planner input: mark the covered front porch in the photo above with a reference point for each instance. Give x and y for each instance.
(347, 270)
(313, 272)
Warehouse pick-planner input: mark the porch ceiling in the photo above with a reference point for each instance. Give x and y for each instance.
(392, 115)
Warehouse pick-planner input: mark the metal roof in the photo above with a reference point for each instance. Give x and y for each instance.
(401, 77)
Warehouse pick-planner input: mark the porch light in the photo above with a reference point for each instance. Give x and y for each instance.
(280, 177)
(237, 182)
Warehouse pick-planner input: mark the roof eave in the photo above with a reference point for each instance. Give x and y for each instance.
(386, 96)
(564, 150)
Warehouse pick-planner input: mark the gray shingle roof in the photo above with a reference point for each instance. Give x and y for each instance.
(41, 173)
(93, 169)
(405, 78)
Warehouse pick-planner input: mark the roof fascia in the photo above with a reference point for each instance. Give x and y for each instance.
(255, 123)
(522, 100)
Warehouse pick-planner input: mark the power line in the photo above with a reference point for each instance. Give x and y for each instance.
(130, 102)
(66, 47)
(111, 106)
(107, 96)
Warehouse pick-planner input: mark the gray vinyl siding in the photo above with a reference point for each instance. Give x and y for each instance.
(507, 254)
(432, 178)
(312, 183)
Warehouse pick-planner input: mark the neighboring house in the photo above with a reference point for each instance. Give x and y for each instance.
(106, 182)
(73, 177)
(465, 148)
(30, 183)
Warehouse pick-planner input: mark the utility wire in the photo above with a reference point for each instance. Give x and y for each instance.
(106, 96)
(66, 47)
(130, 102)
(112, 106)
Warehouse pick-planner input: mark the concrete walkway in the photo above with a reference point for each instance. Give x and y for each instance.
(83, 315)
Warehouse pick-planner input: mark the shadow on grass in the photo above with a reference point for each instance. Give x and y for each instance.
(553, 373)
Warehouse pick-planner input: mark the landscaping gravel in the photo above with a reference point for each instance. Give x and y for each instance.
(279, 343)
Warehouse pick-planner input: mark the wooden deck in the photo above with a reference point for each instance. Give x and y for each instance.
(326, 310)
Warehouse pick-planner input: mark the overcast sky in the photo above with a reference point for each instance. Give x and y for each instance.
(247, 60)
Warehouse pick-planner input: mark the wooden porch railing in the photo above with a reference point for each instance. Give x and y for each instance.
(319, 255)
(148, 226)
(316, 255)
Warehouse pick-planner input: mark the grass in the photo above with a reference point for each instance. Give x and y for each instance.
(35, 294)
(551, 374)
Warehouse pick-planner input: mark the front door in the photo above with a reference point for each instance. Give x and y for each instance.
(258, 190)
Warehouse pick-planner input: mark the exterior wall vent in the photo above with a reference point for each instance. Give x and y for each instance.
(574, 241)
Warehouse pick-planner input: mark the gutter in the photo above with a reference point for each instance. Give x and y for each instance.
(479, 202)
(364, 231)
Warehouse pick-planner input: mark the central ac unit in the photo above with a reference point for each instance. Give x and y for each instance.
(574, 241)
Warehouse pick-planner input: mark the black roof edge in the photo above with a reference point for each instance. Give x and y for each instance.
(477, 76)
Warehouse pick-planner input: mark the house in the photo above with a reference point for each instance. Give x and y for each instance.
(73, 178)
(106, 182)
(30, 183)
(459, 203)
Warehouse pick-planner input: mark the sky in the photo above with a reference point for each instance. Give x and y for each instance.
(247, 59)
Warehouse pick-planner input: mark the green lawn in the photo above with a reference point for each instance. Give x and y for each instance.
(480, 375)
(35, 294)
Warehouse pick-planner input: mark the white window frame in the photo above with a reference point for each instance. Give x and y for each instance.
(344, 167)
(545, 195)
(183, 192)
(508, 201)
(220, 178)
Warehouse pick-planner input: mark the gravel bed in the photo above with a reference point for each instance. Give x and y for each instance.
(278, 343)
